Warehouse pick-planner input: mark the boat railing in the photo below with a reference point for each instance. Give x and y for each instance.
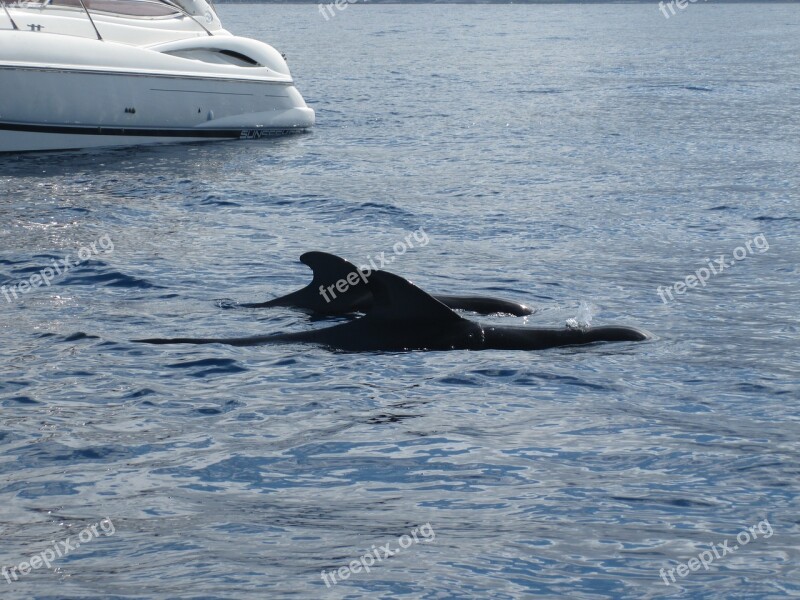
(10, 18)
(91, 20)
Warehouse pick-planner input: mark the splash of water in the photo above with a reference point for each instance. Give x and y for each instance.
(584, 317)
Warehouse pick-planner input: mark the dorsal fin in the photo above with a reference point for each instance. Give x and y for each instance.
(398, 299)
(327, 268)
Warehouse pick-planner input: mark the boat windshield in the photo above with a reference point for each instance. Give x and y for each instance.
(128, 8)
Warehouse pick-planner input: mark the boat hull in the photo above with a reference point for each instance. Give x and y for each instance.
(117, 103)
(31, 137)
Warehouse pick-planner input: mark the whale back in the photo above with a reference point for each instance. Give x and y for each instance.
(403, 317)
(397, 299)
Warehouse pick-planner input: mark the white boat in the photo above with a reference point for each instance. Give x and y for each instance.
(92, 73)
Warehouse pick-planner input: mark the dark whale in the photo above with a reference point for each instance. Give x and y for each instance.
(329, 269)
(404, 317)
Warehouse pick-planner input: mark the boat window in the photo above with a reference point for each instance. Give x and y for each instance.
(216, 56)
(239, 56)
(130, 8)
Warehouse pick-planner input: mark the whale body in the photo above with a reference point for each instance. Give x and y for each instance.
(403, 317)
(329, 269)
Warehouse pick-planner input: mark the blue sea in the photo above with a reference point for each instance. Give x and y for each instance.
(586, 159)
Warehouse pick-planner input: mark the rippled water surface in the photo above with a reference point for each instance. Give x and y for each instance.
(573, 157)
